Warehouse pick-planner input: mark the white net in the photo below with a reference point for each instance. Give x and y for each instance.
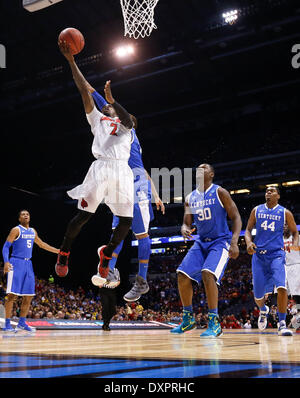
(138, 17)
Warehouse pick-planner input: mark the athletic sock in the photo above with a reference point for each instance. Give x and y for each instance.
(281, 316)
(213, 311)
(144, 251)
(114, 259)
(22, 320)
(188, 308)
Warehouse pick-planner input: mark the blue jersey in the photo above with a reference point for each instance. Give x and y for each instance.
(269, 227)
(210, 216)
(23, 245)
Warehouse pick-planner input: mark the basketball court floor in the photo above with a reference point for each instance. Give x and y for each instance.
(150, 354)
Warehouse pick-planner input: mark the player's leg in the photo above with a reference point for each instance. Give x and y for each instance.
(108, 301)
(8, 305)
(73, 229)
(189, 270)
(25, 305)
(293, 279)
(142, 215)
(279, 277)
(212, 273)
(119, 198)
(261, 286)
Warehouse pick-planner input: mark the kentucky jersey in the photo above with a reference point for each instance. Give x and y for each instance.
(141, 182)
(269, 227)
(209, 214)
(23, 245)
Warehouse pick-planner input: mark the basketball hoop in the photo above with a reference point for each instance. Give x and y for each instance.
(138, 17)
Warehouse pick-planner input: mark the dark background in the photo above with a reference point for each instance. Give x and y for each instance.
(202, 90)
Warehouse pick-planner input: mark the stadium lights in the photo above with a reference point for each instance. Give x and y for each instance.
(124, 51)
(230, 17)
(291, 183)
(239, 191)
(272, 185)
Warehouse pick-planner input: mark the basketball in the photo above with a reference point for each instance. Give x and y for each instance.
(74, 38)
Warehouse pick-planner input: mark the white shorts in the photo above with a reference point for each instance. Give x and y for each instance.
(107, 181)
(293, 279)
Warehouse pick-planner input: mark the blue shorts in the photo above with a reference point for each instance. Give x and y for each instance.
(142, 215)
(268, 271)
(21, 280)
(210, 256)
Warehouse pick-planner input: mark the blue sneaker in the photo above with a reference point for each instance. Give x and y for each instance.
(9, 329)
(188, 323)
(25, 327)
(214, 327)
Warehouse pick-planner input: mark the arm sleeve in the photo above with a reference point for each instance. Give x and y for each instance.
(123, 115)
(5, 251)
(100, 101)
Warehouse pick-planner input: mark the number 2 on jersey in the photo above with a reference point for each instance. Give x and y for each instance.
(271, 226)
(115, 126)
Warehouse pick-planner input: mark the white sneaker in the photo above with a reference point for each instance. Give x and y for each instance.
(97, 280)
(296, 321)
(283, 330)
(263, 319)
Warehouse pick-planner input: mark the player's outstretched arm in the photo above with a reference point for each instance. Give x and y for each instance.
(13, 234)
(44, 245)
(235, 217)
(292, 227)
(248, 236)
(79, 79)
(100, 101)
(157, 199)
(123, 115)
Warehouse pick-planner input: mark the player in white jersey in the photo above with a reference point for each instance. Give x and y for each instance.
(292, 267)
(109, 178)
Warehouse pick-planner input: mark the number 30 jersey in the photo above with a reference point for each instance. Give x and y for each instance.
(23, 245)
(269, 227)
(210, 216)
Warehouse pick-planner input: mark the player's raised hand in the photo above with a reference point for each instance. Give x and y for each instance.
(187, 232)
(108, 95)
(251, 248)
(65, 50)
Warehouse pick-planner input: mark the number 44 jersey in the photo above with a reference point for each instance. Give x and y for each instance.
(269, 227)
(210, 216)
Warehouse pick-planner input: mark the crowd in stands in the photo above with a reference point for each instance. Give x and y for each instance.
(236, 304)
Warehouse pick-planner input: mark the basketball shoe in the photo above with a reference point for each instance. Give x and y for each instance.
(214, 327)
(103, 268)
(263, 319)
(283, 330)
(61, 266)
(296, 321)
(111, 282)
(188, 323)
(9, 329)
(139, 287)
(25, 328)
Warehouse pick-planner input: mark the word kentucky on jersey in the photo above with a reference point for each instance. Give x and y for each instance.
(202, 203)
(269, 216)
(27, 236)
